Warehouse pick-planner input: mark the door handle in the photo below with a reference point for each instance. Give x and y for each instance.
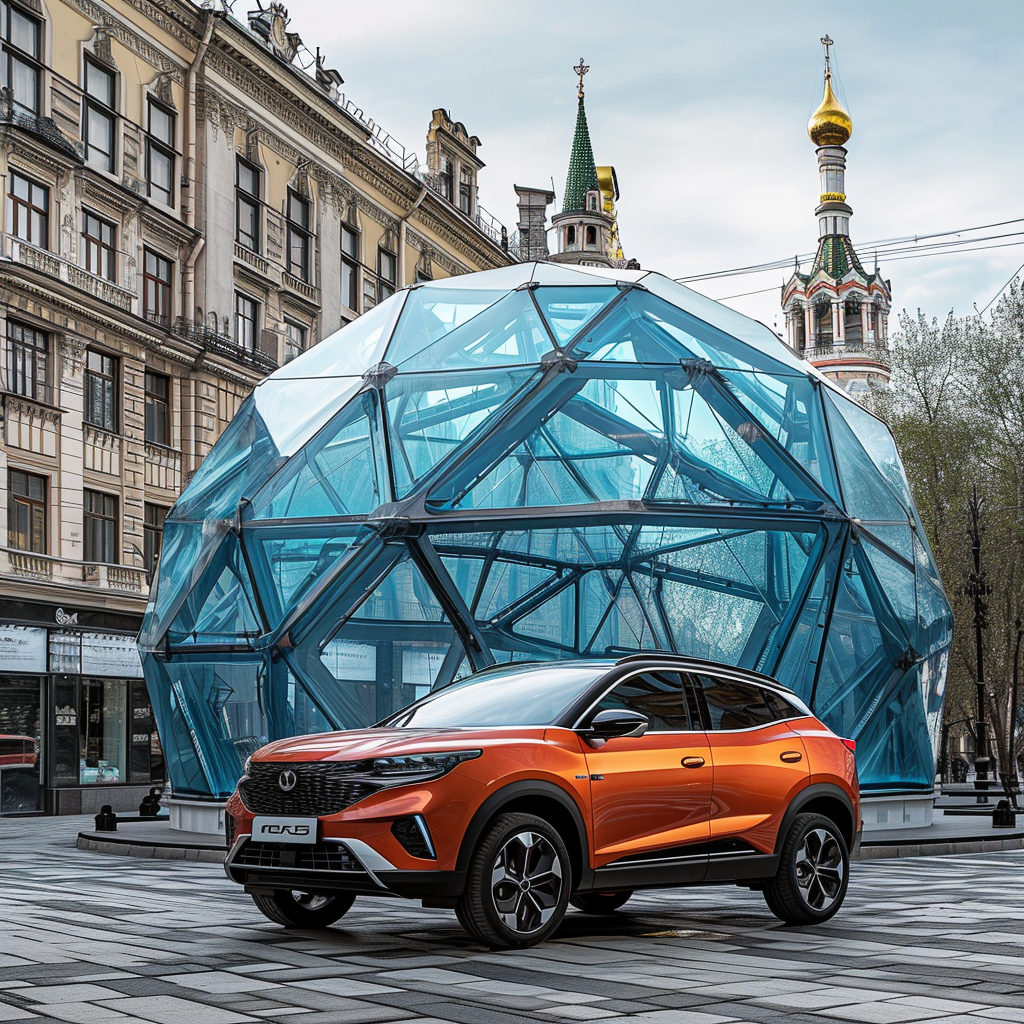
(692, 762)
(791, 756)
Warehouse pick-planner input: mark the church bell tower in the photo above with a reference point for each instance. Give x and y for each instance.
(837, 314)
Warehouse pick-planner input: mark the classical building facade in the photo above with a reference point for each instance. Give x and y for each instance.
(189, 201)
(837, 313)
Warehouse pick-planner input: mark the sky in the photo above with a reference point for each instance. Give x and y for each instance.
(702, 110)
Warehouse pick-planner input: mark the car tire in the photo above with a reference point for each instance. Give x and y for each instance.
(518, 883)
(296, 909)
(600, 902)
(813, 873)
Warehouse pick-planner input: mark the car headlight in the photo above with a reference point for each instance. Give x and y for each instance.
(245, 767)
(395, 771)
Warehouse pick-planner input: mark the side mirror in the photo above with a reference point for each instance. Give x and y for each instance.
(613, 723)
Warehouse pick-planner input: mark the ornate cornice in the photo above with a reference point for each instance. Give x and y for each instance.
(126, 35)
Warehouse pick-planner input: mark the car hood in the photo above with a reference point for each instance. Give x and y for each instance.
(357, 744)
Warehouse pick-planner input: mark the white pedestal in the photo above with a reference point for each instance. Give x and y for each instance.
(897, 811)
(206, 816)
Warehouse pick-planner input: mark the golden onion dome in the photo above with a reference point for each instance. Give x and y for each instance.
(830, 124)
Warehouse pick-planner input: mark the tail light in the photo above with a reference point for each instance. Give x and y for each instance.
(851, 745)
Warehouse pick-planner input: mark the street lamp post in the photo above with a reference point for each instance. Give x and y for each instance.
(978, 589)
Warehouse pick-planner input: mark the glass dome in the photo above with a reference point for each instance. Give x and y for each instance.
(531, 463)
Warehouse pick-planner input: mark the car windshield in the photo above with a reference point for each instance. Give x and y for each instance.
(524, 695)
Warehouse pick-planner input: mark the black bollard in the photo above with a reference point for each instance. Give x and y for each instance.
(1004, 816)
(150, 806)
(106, 820)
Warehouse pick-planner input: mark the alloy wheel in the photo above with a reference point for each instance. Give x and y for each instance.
(819, 869)
(526, 882)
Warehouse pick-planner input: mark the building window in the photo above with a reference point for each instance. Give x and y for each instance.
(448, 180)
(387, 270)
(591, 237)
(26, 511)
(98, 245)
(28, 362)
(99, 117)
(156, 281)
(466, 191)
(570, 236)
(153, 535)
(296, 335)
(21, 36)
(100, 527)
(29, 210)
(350, 268)
(298, 236)
(247, 205)
(247, 315)
(160, 154)
(100, 396)
(369, 292)
(158, 408)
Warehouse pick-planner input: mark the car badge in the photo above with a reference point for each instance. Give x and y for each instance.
(287, 780)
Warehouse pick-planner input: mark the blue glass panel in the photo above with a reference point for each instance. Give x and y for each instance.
(874, 437)
(395, 645)
(501, 279)
(623, 626)
(574, 545)
(896, 579)
(336, 474)
(187, 550)
(210, 718)
(866, 494)
(564, 276)
(461, 330)
(750, 339)
(294, 410)
(568, 309)
(554, 621)
(351, 351)
(801, 648)
(789, 410)
(934, 617)
(220, 607)
(710, 623)
(430, 416)
(240, 461)
(859, 657)
(895, 741)
(289, 561)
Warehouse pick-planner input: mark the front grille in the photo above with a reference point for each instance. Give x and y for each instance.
(313, 857)
(321, 787)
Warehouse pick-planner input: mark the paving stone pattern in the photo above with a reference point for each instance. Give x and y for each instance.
(90, 938)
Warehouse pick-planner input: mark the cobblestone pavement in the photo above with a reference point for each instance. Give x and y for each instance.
(91, 938)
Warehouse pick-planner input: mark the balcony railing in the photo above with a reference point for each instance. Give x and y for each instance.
(211, 340)
(19, 251)
(28, 565)
(872, 352)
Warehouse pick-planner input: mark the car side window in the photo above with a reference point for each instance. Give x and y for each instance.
(781, 707)
(734, 705)
(656, 695)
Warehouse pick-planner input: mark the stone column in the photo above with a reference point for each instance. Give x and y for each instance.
(69, 364)
(838, 322)
(864, 323)
(809, 339)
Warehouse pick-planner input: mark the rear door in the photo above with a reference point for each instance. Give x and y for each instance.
(653, 792)
(760, 762)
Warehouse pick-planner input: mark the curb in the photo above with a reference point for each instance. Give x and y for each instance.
(157, 851)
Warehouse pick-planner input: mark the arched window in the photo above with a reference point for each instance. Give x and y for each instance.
(570, 235)
(591, 237)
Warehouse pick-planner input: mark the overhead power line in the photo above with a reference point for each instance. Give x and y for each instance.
(882, 249)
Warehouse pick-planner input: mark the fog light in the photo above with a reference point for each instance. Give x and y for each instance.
(413, 834)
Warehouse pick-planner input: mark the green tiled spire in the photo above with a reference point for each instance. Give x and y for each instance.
(582, 175)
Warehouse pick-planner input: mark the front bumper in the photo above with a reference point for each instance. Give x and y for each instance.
(331, 866)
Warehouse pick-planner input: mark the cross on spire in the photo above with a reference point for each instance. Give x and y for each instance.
(827, 43)
(581, 69)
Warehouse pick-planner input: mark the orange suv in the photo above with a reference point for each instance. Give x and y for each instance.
(526, 787)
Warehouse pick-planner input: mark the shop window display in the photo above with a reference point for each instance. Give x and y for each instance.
(20, 767)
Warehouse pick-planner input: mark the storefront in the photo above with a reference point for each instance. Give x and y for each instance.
(76, 723)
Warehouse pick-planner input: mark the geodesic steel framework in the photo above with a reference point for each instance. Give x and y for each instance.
(542, 462)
